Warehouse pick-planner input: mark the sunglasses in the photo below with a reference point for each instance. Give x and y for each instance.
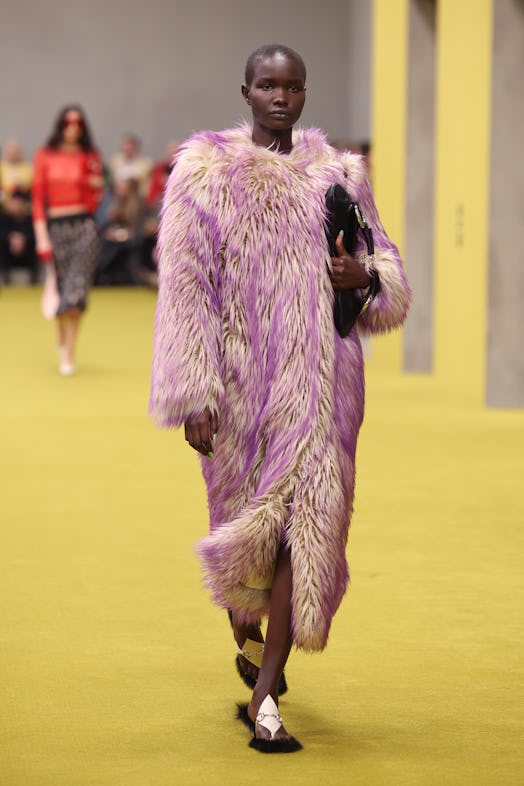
(70, 121)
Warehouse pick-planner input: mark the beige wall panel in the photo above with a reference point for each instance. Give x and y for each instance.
(505, 367)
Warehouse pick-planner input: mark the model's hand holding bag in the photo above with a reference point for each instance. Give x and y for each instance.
(345, 215)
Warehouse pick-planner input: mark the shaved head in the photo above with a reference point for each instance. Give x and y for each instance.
(270, 50)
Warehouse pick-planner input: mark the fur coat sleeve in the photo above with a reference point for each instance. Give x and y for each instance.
(185, 377)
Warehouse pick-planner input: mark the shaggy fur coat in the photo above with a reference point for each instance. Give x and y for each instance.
(244, 326)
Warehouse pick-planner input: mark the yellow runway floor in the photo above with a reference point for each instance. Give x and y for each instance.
(116, 670)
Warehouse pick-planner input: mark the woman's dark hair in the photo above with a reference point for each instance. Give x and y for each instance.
(55, 140)
(269, 50)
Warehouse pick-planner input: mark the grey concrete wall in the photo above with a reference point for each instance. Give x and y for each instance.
(163, 68)
(505, 362)
(418, 334)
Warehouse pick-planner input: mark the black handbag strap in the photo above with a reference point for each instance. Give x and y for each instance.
(374, 285)
(364, 228)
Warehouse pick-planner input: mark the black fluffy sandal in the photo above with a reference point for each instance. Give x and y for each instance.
(269, 718)
(244, 718)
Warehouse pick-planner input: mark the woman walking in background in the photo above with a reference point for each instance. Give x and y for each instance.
(67, 186)
(248, 358)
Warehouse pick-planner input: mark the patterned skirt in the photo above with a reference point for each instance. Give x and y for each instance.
(75, 244)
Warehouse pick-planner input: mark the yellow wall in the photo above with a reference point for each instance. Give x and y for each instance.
(389, 94)
(464, 30)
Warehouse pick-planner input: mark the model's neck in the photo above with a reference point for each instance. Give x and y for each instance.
(69, 147)
(281, 141)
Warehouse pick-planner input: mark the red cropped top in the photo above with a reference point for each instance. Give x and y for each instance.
(62, 178)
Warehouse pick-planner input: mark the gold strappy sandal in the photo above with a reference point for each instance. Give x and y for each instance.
(253, 651)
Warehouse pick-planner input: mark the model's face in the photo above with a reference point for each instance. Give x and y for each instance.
(72, 126)
(277, 93)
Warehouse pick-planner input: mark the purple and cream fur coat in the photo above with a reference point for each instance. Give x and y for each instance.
(244, 326)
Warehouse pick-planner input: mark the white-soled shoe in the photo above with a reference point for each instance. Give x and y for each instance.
(66, 369)
(269, 718)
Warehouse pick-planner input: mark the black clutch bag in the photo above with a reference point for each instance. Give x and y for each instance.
(344, 214)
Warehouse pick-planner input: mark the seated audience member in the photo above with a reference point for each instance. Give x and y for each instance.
(15, 173)
(158, 180)
(160, 173)
(130, 164)
(17, 240)
(122, 237)
(106, 198)
(148, 259)
(364, 148)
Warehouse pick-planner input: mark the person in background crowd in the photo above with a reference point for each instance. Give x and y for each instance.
(148, 267)
(130, 164)
(122, 236)
(160, 172)
(67, 186)
(15, 173)
(159, 175)
(247, 357)
(364, 148)
(17, 240)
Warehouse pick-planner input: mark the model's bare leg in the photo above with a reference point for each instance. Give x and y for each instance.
(60, 333)
(278, 641)
(69, 325)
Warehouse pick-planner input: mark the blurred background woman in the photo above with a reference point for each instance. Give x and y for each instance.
(67, 187)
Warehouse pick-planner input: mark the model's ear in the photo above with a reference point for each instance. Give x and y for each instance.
(245, 93)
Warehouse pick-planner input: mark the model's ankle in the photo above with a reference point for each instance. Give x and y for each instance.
(261, 691)
(245, 630)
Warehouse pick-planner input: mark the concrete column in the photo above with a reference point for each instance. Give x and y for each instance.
(420, 174)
